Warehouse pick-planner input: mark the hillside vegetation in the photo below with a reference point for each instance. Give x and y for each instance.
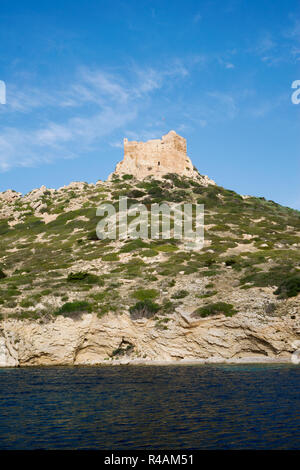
(52, 263)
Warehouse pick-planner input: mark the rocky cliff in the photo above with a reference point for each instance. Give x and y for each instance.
(114, 339)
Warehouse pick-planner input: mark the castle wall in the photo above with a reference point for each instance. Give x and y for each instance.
(156, 157)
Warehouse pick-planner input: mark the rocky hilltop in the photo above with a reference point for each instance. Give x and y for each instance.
(67, 297)
(158, 157)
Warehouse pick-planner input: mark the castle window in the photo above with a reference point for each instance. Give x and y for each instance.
(158, 163)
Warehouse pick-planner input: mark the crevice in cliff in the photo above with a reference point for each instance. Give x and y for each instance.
(125, 348)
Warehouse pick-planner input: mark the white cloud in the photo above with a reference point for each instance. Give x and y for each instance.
(27, 148)
(117, 145)
(103, 102)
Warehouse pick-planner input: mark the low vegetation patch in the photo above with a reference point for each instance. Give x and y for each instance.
(144, 309)
(133, 245)
(85, 277)
(111, 257)
(144, 294)
(214, 309)
(71, 309)
(180, 294)
(290, 287)
(2, 274)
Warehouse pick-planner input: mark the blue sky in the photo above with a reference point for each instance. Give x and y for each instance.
(82, 75)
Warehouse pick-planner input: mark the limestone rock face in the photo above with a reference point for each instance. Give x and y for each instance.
(10, 195)
(156, 157)
(114, 339)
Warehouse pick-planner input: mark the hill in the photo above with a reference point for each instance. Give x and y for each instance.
(54, 267)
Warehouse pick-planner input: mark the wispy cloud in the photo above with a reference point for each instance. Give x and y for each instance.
(293, 32)
(25, 148)
(103, 102)
(224, 101)
(265, 44)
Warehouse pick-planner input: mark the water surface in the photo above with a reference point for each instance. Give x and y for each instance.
(150, 407)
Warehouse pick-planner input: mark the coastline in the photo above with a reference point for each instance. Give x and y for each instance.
(246, 338)
(166, 363)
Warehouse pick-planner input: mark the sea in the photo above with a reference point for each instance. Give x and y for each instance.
(145, 407)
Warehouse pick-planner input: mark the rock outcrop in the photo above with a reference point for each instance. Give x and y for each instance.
(9, 195)
(156, 157)
(114, 339)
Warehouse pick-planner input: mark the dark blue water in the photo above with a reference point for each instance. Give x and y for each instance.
(151, 407)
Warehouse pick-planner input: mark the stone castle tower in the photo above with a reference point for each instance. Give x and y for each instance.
(156, 157)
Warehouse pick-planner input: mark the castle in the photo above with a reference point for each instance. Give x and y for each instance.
(156, 157)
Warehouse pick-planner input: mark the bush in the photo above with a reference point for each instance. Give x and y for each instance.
(73, 308)
(2, 274)
(180, 294)
(127, 177)
(149, 253)
(27, 303)
(290, 287)
(177, 181)
(144, 309)
(213, 309)
(133, 245)
(92, 235)
(83, 276)
(166, 248)
(111, 257)
(136, 193)
(230, 262)
(143, 294)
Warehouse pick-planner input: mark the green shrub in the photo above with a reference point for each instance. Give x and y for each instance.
(74, 308)
(30, 315)
(87, 278)
(27, 303)
(127, 177)
(149, 253)
(133, 245)
(208, 294)
(213, 309)
(4, 227)
(167, 307)
(92, 235)
(46, 292)
(124, 348)
(136, 193)
(166, 248)
(144, 309)
(110, 257)
(2, 274)
(143, 294)
(177, 181)
(290, 287)
(180, 294)
(230, 262)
